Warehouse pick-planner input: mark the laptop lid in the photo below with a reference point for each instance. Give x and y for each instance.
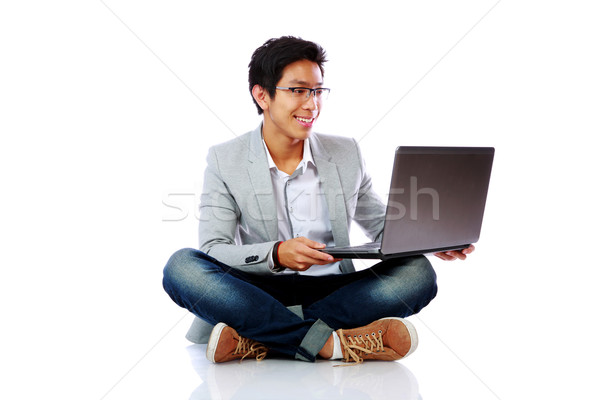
(437, 198)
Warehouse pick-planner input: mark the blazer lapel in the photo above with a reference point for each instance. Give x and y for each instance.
(260, 179)
(334, 194)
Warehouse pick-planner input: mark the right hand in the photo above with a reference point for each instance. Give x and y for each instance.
(299, 254)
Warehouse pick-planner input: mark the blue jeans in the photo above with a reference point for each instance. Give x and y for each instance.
(256, 306)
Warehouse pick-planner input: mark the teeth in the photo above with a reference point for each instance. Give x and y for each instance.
(304, 119)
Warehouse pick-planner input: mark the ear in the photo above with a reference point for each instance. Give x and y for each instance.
(261, 96)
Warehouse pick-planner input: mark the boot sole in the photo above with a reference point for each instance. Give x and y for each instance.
(414, 338)
(213, 341)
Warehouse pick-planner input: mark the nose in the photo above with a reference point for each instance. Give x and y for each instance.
(311, 103)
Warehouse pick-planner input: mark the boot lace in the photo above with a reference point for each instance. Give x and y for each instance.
(249, 347)
(355, 346)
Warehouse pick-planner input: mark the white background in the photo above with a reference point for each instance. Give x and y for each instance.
(107, 110)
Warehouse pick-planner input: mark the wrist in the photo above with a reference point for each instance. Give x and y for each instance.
(277, 267)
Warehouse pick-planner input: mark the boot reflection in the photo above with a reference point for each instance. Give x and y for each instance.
(291, 379)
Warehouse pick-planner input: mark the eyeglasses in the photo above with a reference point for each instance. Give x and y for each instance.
(302, 93)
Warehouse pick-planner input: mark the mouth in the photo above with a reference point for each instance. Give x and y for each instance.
(305, 121)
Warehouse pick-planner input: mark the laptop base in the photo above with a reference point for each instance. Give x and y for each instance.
(375, 253)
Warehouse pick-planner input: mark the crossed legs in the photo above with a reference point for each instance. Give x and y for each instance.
(255, 306)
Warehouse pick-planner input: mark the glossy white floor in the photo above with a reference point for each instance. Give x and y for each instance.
(489, 338)
(506, 324)
(107, 111)
(496, 331)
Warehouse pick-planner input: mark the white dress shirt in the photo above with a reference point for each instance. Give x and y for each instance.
(302, 208)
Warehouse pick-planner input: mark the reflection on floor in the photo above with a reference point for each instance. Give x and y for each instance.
(290, 379)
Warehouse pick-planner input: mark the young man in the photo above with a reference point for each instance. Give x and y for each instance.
(272, 199)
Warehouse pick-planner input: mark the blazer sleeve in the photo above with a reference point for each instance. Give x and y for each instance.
(218, 225)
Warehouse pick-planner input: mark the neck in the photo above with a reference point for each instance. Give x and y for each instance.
(286, 152)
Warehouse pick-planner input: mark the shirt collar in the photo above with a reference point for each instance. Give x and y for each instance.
(306, 157)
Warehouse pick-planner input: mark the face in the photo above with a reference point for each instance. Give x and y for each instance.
(287, 116)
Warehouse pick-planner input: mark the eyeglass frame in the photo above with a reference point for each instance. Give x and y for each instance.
(310, 91)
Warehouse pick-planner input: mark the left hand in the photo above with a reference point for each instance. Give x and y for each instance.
(454, 254)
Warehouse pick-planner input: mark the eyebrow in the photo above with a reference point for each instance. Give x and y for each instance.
(304, 83)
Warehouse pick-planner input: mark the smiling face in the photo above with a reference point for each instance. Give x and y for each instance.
(286, 116)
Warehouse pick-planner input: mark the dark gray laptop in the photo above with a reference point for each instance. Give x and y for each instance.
(436, 202)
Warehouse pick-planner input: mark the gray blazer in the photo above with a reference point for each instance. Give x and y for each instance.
(238, 218)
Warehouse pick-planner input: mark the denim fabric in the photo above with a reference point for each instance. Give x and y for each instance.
(256, 305)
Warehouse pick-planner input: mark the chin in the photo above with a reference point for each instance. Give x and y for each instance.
(304, 135)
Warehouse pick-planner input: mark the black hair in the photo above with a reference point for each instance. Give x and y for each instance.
(268, 61)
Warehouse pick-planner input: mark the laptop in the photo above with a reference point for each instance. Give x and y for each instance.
(436, 203)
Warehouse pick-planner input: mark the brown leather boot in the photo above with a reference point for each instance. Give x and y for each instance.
(225, 345)
(386, 339)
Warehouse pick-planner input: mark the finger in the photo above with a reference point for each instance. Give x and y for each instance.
(318, 257)
(310, 243)
(303, 263)
(304, 257)
(468, 250)
(444, 256)
(457, 254)
(302, 267)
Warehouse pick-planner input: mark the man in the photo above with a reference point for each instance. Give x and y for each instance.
(272, 199)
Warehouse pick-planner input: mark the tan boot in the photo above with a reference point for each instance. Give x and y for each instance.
(386, 339)
(225, 345)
